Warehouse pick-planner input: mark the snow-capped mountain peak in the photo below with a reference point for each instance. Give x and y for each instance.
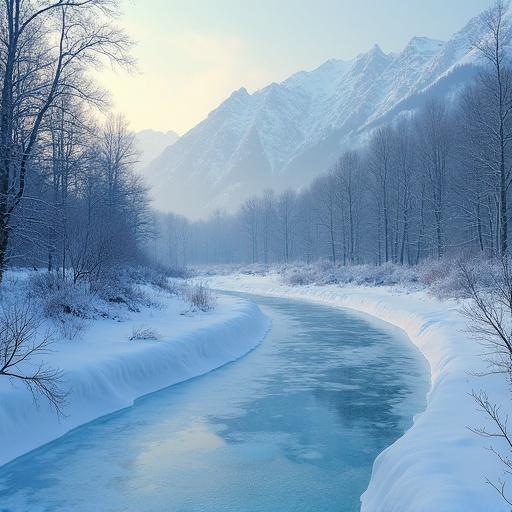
(424, 45)
(287, 133)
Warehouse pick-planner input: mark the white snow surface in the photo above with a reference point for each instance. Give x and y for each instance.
(439, 465)
(105, 372)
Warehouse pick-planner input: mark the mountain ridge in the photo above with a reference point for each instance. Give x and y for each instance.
(286, 133)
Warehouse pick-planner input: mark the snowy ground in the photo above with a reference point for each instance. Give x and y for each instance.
(439, 465)
(105, 371)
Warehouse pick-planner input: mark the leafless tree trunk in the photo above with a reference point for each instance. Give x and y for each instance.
(250, 213)
(285, 209)
(268, 213)
(434, 130)
(326, 210)
(380, 161)
(348, 175)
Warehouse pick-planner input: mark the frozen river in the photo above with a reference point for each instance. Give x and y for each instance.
(292, 427)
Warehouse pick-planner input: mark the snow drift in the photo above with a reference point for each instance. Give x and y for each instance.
(439, 464)
(105, 372)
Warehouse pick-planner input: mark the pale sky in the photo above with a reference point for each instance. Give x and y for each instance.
(192, 54)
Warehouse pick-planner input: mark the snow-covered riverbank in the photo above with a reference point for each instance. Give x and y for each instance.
(105, 371)
(439, 465)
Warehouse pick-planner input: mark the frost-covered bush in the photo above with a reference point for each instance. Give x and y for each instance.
(176, 272)
(199, 296)
(300, 276)
(444, 280)
(441, 277)
(323, 273)
(119, 287)
(232, 268)
(68, 304)
(161, 278)
(71, 327)
(58, 296)
(61, 298)
(388, 274)
(145, 275)
(435, 270)
(256, 269)
(144, 333)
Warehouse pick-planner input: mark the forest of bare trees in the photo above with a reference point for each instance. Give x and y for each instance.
(69, 199)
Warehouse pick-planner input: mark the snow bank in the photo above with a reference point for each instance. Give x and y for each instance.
(105, 372)
(439, 465)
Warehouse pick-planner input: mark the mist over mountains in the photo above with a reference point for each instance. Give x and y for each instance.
(150, 144)
(287, 133)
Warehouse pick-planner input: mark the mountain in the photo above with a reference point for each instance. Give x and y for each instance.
(287, 133)
(151, 143)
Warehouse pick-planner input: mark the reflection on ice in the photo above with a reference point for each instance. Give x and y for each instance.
(180, 448)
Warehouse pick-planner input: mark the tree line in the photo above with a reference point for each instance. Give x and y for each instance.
(435, 182)
(69, 198)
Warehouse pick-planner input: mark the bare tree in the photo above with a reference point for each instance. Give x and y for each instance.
(490, 316)
(250, 214)
(286, 210)
(500, 432)
(268, 221)
(380, 165)
(327, 210)
(435, 144)
(490, 311)
(117, 156)
(347, 174)
(404, 159)
(307, 227)
(22, 346)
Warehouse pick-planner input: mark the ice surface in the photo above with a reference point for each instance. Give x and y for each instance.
(295, 425)
(439, 464)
